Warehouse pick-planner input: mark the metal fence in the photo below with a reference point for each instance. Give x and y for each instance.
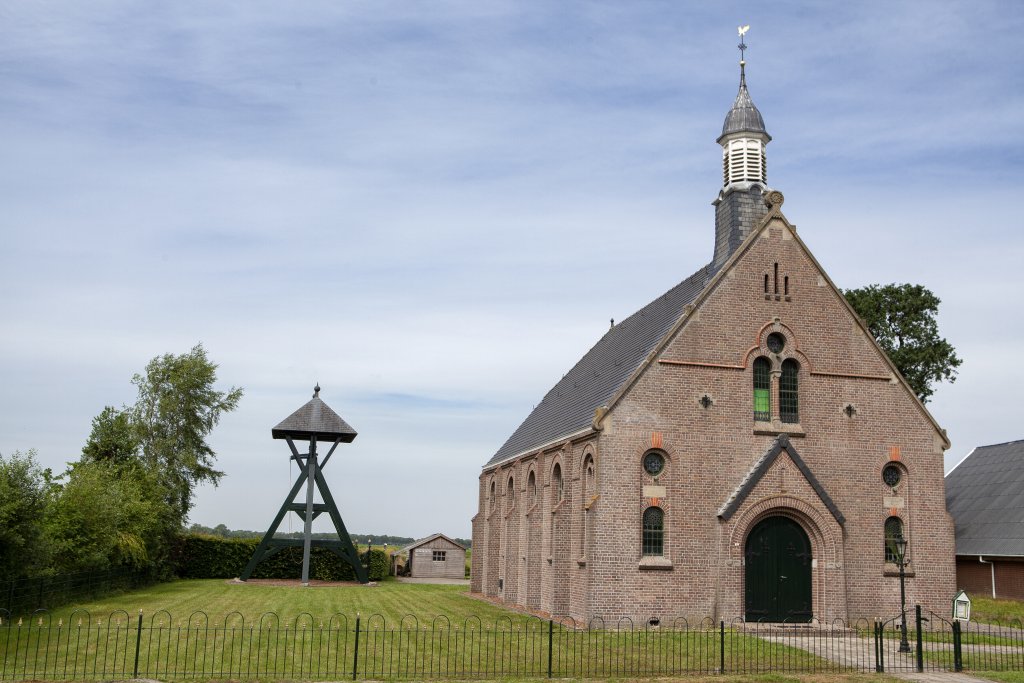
(20, 596)
(81, 646)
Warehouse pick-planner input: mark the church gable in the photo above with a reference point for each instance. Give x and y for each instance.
(770, 476)
(773, 284)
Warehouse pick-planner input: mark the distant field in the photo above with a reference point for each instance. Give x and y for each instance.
(218, 598)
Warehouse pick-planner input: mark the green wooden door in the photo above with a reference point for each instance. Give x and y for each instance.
(778, 572)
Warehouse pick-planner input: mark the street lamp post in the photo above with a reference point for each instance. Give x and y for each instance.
(900, 545)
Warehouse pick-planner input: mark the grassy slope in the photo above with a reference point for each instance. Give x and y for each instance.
(988, 610)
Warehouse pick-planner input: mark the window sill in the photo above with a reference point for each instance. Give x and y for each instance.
(776, 427)
(655, 563)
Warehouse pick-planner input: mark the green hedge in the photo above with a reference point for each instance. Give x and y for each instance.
(210, 557)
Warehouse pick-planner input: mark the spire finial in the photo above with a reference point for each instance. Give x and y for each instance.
(742, 30)
(316, 390)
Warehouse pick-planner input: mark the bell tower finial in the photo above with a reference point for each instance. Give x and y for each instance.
(742, 30)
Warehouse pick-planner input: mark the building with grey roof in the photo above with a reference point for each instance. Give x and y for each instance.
(740, 447)
(985, 496)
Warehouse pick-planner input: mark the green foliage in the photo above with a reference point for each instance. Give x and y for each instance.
(902, 319)
(114, 437)
(210, 557)
(176, 410)
(23, 489)
(102, 515)
(991, 610)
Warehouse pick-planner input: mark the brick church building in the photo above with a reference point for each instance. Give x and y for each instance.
(739, 447)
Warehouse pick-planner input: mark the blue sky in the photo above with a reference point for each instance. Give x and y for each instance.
(433, 209)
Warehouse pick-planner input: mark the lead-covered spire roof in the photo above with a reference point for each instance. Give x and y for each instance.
(744, 116)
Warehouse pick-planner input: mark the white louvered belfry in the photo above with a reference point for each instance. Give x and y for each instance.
(743, 161)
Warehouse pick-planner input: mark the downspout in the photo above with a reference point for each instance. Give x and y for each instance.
(993, 565)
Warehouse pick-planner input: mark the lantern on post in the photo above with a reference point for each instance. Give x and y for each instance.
(316, 423)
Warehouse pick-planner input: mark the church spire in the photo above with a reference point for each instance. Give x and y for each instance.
(744, 168)
(743, 137)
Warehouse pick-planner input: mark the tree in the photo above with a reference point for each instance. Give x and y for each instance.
(104, 515)
(114, 437)
(176, 410)
(902, 319)
(23, 488)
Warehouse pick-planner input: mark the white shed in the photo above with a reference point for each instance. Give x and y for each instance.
(435, 556)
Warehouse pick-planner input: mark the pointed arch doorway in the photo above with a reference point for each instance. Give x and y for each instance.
(778, 572)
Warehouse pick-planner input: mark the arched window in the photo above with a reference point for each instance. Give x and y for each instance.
(653, 542)
(788, 399)
(531, 489)
(510, 494)
(588, 479)
(492, 494)
(653, 531)
(762, 390)
(893, 532)
(556, 484)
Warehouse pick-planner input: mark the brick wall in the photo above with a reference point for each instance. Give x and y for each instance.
(589, 555)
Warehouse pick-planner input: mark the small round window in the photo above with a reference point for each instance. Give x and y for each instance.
(891, 475)
(654, 463)
(776, 342)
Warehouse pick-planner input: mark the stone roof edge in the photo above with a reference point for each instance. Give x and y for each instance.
(427, 539)
(773, 212)
(781, 443)
(542, 447)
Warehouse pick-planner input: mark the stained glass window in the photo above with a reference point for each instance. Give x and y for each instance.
(762, 390)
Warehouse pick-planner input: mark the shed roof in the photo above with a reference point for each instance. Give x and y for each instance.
(317, 419)
(985, 496)
(427, 539)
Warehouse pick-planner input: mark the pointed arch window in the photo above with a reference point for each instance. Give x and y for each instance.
(653, 541)
(510, 497)
(492, 494)
(531, 489)
(556, 483)
(789, 404)
(893, 532)
(762, 390)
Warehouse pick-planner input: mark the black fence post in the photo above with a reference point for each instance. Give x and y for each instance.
(721, 646)
(920, 647)
(879, 649)
(138, 646)
(958, 655)
(355, 651)
(551, 640)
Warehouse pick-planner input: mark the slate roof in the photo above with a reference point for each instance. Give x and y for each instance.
(985, 496)
(744, 116)
(759, 469)
(569, 407)
(314, 419)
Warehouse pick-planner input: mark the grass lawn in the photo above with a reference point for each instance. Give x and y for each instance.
(990, 610)
(218, 598)
(214, 629)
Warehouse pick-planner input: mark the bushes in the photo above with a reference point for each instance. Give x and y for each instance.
(210, 557)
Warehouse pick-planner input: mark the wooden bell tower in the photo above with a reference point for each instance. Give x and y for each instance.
(316, 423)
